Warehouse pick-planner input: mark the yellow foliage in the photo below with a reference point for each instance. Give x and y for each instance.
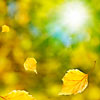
(30, 64)
(74, 82)
(5, 28)
(18, 95)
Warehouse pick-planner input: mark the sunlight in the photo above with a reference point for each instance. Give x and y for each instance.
(74, 15)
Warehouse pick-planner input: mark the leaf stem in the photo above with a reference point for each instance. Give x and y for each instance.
(92, 68)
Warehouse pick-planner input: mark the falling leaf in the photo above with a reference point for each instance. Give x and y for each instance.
(18, 95)
(30, 64)
(5, 28)
(74, 82)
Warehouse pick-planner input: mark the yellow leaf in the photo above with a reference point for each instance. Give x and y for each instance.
(30, 64)
(18, 95)
(5, 28)
(74, 82)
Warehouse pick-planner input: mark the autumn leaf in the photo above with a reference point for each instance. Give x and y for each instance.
(74, 82)
(5, 28)
(30, 64)
(18, 95)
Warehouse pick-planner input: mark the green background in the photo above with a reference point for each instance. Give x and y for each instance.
(35, 32)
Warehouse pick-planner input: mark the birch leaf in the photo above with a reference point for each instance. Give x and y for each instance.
(18, 95)
(30, 64)
(74, 82)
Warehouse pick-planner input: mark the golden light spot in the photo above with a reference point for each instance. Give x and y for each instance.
(5, 28)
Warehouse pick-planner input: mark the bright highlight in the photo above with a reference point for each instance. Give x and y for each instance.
(74, 15)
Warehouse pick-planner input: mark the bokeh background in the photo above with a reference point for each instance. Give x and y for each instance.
(37, 31)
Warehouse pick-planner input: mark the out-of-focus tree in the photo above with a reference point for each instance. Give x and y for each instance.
(35, 32)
